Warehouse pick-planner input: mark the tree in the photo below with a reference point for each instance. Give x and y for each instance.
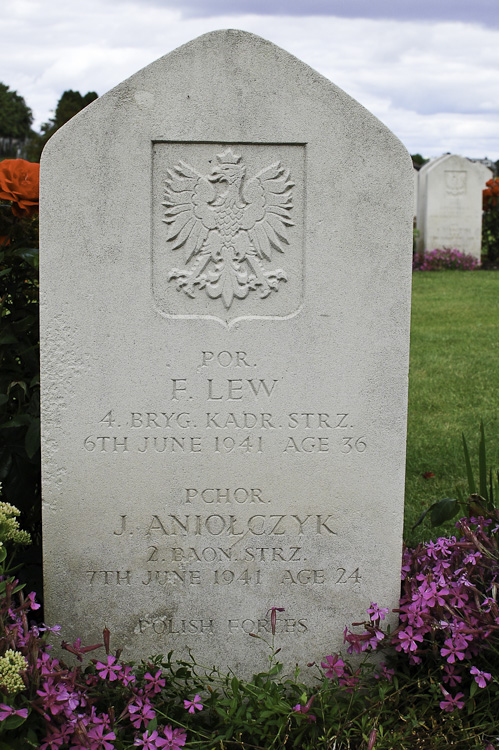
(70, 103)
(418, 160)
(15, 121)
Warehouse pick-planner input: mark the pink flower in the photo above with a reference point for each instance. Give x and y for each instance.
(31, 598)
(175, 738)
(408, 640)
(450, 675)
(377, 613)
(99, 739)
(349, 682)
(299, 709)
(127, 676)
(111, 670)
(453, 648)
(154, 684)
(450, 703)
(191, 706)
(150, 741)
(141, 712)
(481, 678)
(334, 666)
(6, 711)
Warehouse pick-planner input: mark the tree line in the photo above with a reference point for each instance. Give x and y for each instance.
(17, 138)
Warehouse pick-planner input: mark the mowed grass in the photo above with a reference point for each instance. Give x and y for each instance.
(453, 384)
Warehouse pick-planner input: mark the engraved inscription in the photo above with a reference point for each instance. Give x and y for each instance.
(228, 227)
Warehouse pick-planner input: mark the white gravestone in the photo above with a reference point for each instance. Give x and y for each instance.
(450, 204)
(225, 274)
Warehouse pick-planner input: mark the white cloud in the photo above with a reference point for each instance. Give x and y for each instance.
(433, 84)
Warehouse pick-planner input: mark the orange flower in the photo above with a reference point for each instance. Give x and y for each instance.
(19, 183)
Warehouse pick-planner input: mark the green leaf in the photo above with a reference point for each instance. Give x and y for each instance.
(469, 470)
(482, 464)
(423, 516)
(473, 688)
(29, 254)
(3, 555)
(20, 420)
(32, 439)
(443, 511)
(6, 337)
(12, 722)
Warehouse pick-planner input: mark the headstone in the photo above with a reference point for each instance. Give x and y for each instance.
(225, 275)
(450, 204)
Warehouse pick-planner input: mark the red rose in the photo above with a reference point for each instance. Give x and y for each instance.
(20, 183)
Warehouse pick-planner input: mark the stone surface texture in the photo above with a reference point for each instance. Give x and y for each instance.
(449, 204)
(225, 278)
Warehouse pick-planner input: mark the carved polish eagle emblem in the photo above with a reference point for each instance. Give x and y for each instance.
(228, 226)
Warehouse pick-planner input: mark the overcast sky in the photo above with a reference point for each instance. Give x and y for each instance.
(429, 69)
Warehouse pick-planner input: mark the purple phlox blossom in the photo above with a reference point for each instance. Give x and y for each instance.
(450, 675)
(333, 666)
(150, 741)
(53, 696)
(407, 640)
(450, 703)
(459, 597)
(175, 738)
(53, 742)
(127, 676)
(377, 613)
(71, 700)
(154, 684)
(141, 712)
(111, 670)
(46, 629)
(429, 594)
(454, 647)
(441, 547)
(58, 737)
(46, 664)
(31, 598)
(441, 567)
(6, 711)
(385, 672)
(359, 642)
(194, 705)
(481, 678)
(99, 740)
(349, 682)
(299, 709)
(472, 558)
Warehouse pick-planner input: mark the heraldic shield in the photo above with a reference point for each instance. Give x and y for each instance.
(228, 230)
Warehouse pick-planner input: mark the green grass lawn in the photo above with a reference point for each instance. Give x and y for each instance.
(453, 384)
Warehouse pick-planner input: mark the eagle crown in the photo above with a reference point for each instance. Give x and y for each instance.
(228, 168)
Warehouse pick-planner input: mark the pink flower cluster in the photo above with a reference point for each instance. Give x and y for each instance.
(442, 259)
(69, 700)
(448, 612)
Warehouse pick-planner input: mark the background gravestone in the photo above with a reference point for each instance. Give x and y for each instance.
(450, 204)
(226, 263)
